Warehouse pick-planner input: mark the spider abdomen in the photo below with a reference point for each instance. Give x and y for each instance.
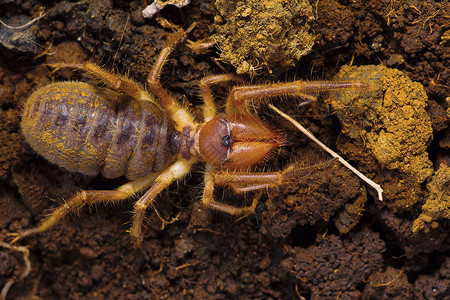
(92, 130)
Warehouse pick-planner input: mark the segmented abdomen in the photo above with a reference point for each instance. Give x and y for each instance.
(90, 130)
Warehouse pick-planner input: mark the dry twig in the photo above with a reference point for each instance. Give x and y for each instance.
(377, 187)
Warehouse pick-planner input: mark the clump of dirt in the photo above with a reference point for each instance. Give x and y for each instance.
(414, 244)
(393, 283)
(434, 286)
(11, 209)
(66, 52)
(9, 129)
(445, 141)
(37, 190)
(268, 36)
(328, 267)
(9, 139)
(390, 117)
(317, 196)
(437, 205)
(388, 284)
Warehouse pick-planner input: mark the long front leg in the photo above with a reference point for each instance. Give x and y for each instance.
(238, 98)
(249, 181)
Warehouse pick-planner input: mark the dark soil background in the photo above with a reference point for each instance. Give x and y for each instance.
(326, 236)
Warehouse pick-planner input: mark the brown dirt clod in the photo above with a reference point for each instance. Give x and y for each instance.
(390, 117)
(268, 35)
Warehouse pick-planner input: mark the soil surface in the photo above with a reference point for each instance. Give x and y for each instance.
(324, 236)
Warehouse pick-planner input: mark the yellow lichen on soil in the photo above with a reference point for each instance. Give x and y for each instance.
(437, 205)
(390, 117)
(256, 36)
(445, 141)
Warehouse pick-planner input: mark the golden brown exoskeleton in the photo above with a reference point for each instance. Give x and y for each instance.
(152, 140)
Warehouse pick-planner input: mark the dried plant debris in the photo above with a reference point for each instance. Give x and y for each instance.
(157, 5)
(388, 284)
(17, 35)
(25, 272)
(263, 36)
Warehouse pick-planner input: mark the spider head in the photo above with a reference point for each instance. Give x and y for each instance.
(236, 141)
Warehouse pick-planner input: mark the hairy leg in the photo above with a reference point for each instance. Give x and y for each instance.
(176, 171)
(239, 97)
(247, 181)
(116, 82)
(129, 87)
(87, 197)
(176, 113)
(209, 111)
